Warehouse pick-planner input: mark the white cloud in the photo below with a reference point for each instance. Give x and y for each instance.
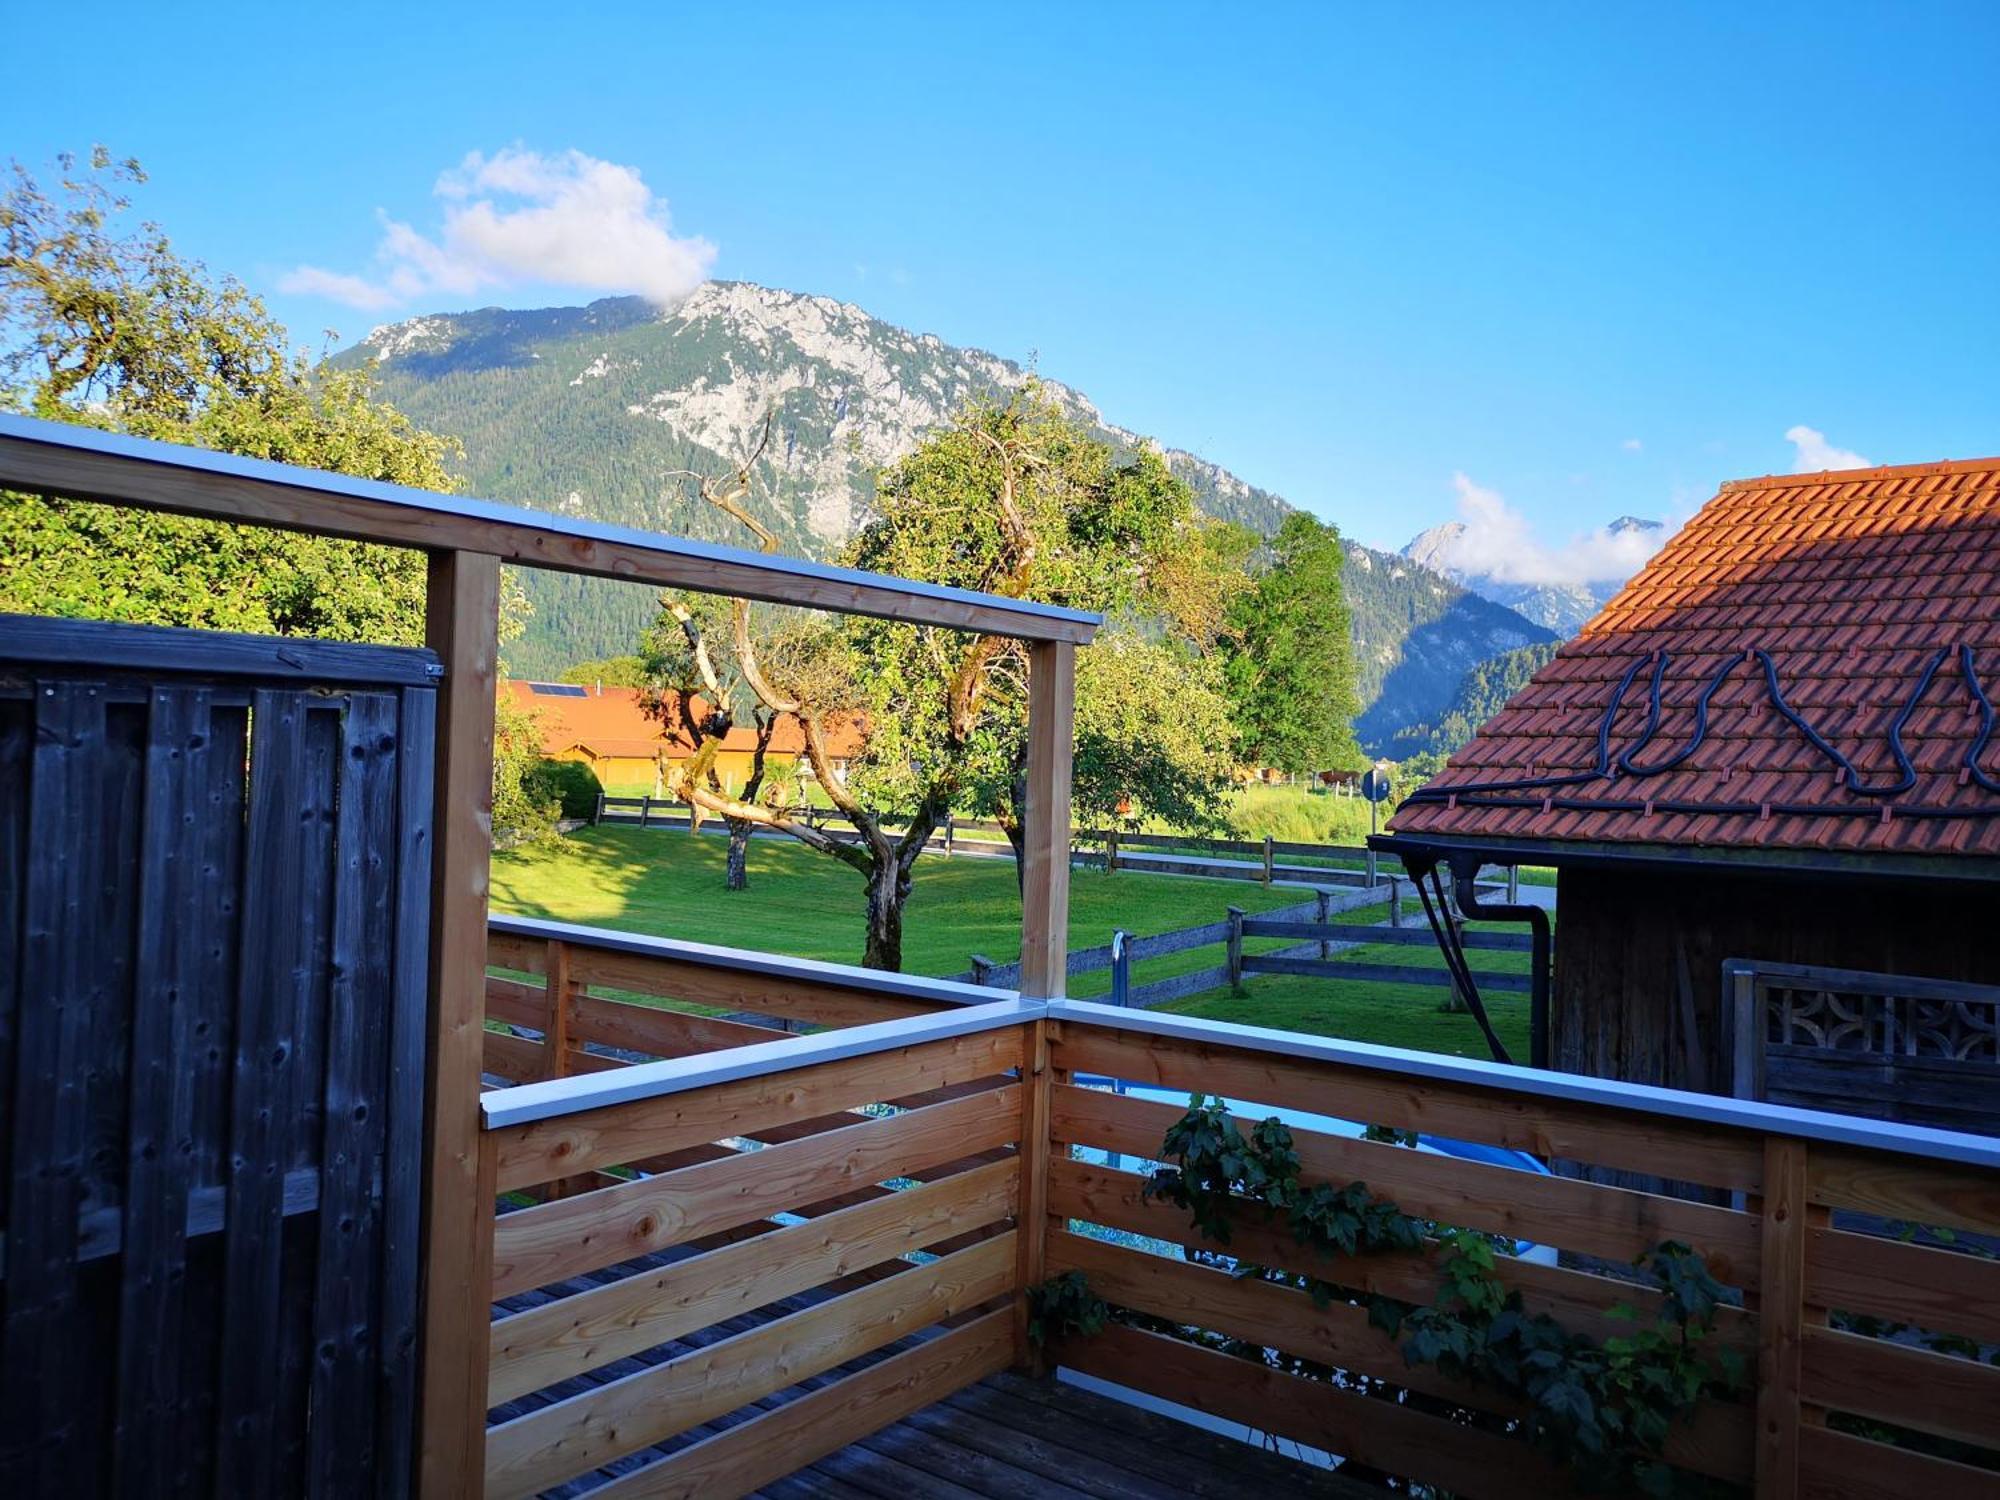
(1816, 453)
(355, 291)
(1632, 445)
(519, 217)
(1496, 541)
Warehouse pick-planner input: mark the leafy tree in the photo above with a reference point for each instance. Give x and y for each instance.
(1011, 499)
(1019, 499)
(114, 330)
(105, 326)
(611, 671)
(1291, 658)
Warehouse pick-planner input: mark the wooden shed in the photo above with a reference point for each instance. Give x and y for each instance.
(1765, 774)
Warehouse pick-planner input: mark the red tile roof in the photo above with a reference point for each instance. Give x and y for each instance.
(1863, 590)
(613, 721)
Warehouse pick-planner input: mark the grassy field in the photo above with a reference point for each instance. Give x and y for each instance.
(1393, 1015)
(799, 902)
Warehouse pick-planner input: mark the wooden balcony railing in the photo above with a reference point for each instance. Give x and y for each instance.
(735, 1183)
(668, 998)
(902, 1182)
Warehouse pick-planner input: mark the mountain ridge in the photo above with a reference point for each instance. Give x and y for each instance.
(1559, 606)
(598, 406)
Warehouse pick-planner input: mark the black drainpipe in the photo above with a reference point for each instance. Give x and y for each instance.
(1465, 879)
(1423, 869)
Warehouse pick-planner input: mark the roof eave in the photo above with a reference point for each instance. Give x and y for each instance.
(1597, 854)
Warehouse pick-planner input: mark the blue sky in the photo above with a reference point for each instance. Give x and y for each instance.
(1383, 259)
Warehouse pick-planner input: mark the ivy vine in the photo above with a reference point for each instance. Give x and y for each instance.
(1064, 1305)
(1601, 1409)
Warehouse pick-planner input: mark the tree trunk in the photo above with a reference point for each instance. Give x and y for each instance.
(888, 889)
(1014, 823)
(736, 873)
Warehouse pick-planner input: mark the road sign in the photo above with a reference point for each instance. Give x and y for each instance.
(1375, 785)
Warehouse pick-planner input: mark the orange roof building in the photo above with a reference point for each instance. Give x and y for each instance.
(1776, 744)
(629, 748)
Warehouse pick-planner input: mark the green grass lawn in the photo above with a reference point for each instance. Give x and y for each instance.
(800, 902)
(1393, 1015)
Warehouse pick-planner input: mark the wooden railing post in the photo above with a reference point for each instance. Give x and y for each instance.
(1395, 901)
(1368, 864)
(1032, 1223)
(645, 811)
(1111, 851)
(562, 992)
(462, 626)
(1267, 859)
(1045, 846)
(1324, 900)
(555, 1038)
(1235, 947)
(1781, 1318)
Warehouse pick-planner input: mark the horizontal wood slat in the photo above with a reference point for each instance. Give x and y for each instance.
(516, 1003)
(658, 1032)
(1689, 1152)
(1936, 1393)
(571, 1335)
(1837, 1465)
(523, 955)
(545, 1447)
(1943, 1291)
(555, 1241)
(1380, 1434)
(520, 1059)
(514, 1058)
(1560, 1211)
(752, 1454)
(761, 994)
(1578, 1299)
(1280, 1317)
(622, 1133)
(1899, 1188)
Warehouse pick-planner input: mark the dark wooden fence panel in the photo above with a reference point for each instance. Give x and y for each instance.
(212, 959)
(1892, 1046)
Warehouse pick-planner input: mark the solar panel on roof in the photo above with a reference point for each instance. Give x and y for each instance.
(556, 690)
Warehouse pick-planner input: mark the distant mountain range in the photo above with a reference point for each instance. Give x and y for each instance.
(590, 410)
(1561, 607)
(1417, 634)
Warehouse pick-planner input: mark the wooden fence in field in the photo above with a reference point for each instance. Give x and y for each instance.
(1124, 950)
(1314, 952)
(803, 1176)
(1302, 961)
(1267, 860)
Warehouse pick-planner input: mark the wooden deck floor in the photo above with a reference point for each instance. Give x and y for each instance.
(1011, 1438)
